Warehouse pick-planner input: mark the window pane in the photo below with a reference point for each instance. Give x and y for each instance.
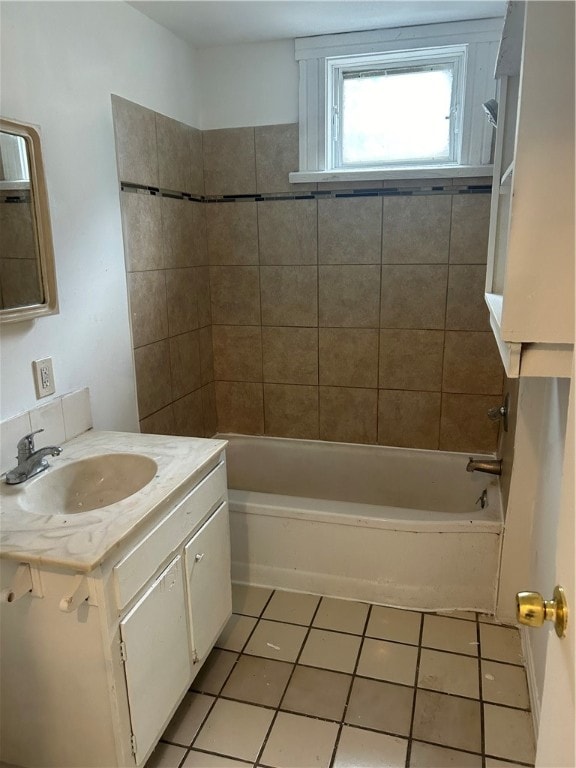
(394, 117)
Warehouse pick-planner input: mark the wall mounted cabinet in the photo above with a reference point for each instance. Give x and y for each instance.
(530, 274)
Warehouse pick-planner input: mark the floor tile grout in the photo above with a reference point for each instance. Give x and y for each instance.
(340, 722)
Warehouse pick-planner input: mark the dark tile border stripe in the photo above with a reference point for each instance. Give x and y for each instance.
(417, 190)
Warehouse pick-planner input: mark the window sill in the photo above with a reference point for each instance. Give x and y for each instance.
(383, 174)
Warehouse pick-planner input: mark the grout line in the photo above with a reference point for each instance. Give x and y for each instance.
(232, 668)
(295, 664)
(413, 713)
(482, 722)
(353, 678)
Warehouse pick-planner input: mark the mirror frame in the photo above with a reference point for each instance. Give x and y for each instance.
(41, 212)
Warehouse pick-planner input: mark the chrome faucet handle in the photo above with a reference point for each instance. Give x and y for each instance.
(26, 445)
(500, 412)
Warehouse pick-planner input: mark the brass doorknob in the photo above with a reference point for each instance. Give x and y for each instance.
(533, 610)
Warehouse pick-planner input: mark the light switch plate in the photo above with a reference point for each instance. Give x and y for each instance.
(43, 377)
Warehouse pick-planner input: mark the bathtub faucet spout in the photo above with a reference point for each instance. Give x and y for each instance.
(491, 466)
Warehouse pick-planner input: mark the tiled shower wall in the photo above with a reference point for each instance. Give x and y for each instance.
(167, 270)
(339, 314)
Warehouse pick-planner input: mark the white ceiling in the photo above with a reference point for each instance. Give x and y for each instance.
(228, 22)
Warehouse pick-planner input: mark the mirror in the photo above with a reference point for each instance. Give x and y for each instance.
(27, 274)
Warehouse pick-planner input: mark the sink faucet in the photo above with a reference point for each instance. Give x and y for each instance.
(491, 466)
(30, 462)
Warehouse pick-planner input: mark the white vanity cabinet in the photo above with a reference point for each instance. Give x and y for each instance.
(97, 684)
(530, 272)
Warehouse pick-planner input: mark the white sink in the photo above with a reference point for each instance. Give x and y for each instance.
(88, 484)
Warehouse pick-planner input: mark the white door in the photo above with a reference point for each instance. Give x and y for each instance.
(556, 738)
(209, 584)
(157, 656)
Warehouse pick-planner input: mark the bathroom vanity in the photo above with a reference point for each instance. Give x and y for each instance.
(108, 614)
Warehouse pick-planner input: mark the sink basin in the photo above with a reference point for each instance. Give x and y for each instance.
(88, 483)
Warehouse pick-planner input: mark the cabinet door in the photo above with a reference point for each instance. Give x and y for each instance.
(157, 656)
(209, 584)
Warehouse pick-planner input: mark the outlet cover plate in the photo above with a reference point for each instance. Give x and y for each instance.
(43, 377)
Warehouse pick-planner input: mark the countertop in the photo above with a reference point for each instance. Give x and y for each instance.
(81, 541)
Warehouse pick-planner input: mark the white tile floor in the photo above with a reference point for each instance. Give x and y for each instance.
(299, 681)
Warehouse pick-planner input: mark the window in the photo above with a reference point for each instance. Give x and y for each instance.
(400, 102)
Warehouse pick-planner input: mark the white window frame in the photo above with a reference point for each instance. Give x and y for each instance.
(338, 66)
(319, 56)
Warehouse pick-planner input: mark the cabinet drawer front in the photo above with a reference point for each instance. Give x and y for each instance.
(134, 570)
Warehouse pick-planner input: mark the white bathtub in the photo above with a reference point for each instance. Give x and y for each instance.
(388, 525)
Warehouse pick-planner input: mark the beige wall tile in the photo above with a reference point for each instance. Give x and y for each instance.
(173, 154)
(466, 309)
(229, 161)
(469, 233)
(240, 407)
(198, 242)
(232, 233)
(289, 295)
(203, 295)
(291, 411)
(472, 363)
(349, 296)
(290, 355)
(411, 360)
(185, 363)
(416, 229)
(348, 357)
(408, 419)
(188, 420)
(237, 352)
(349, 230)
(135, 132)
(235, 295)
(209, 415)
(148, 311)
(206, 355)
(276, 157)
(142, 228)
(287, 232)
(182, 300)
(178, 232)
(159, 423)
(196, 163)
(413, 296)
(152, 364)
(348, 415)
(342, 186)
(464, 425)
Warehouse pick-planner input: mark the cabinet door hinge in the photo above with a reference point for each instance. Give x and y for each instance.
(123, 655)
(133, 744)
(195, 658)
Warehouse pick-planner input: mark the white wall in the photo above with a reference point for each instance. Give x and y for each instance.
(60, 63)
(251, 84)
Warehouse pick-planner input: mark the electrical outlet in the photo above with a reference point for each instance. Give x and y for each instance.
(43, 377)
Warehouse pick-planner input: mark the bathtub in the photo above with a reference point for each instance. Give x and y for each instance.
(394, 526)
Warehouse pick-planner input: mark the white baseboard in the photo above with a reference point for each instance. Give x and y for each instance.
(533, 693)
